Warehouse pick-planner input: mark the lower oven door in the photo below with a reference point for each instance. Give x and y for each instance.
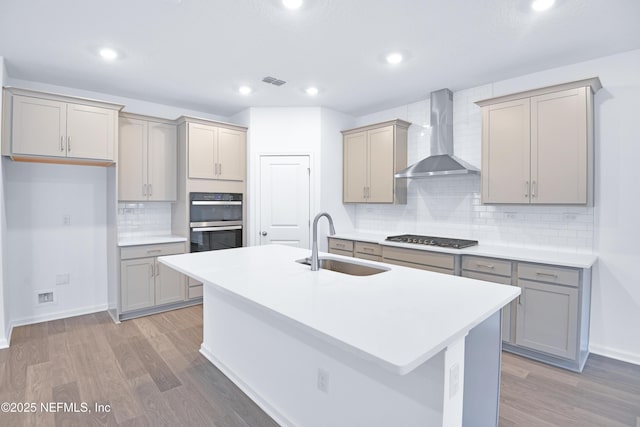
(214, 238)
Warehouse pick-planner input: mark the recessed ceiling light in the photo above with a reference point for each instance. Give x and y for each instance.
(394, 58)
(244, 90)
(292, 4)
(108, 54)
(540, 5)
(313, 91)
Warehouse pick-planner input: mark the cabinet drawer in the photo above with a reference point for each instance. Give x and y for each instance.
(487, 265)
(369, 257)
(144, 251)
(340, 252)
(549, 274)
(343, 245)
(487, 277)
(368, 248)
(195, 292)
(419, 266)
(418, 257)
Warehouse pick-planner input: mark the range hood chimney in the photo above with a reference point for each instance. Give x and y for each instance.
(441, 161)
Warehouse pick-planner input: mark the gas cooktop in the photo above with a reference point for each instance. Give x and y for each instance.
(443, 242)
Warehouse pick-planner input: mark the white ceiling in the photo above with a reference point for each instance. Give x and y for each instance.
(196, 53)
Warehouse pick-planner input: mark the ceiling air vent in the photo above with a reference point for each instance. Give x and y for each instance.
(273, 81)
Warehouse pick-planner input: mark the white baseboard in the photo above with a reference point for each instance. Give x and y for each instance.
(613, 353)
(57, 315)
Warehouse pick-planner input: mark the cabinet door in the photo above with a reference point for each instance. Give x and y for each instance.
(170, 285)
(202, 143)
(137, 283)
(381, 161)
(507, 310)
(547, 318)
(162, 162)
(231, 157)
(132, 160)
(39, 126)
(506, 141)
(90, 132)
(354, 167)
(559, 147)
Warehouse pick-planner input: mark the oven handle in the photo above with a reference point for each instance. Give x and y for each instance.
(214, 223)
(215, 203)
(234, 227)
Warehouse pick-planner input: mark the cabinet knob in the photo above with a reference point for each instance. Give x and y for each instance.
(264, 233)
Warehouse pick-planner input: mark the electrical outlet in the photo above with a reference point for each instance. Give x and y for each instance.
(454, 380)
(66, 220)
(45, 297)
(323, 380)
(62, 279)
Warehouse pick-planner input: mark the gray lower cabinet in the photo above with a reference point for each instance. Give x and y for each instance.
(366, 250)
(146, 283)
(549, 322)
(340, 246)
(496, 271)
(547, 318)
(416, 258)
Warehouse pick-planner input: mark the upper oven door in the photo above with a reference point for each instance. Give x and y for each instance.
(208, 207)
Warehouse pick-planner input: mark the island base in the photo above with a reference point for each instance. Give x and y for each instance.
(302, 379)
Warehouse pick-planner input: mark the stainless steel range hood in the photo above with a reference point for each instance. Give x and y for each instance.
(441, 161)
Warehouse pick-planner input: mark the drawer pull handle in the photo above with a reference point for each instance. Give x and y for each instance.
(489, 266)
(553, 276)
(154, 251)
(340, 245)
(368, 249)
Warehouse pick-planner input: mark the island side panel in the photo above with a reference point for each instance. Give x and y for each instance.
(277, 365)
(483, 351)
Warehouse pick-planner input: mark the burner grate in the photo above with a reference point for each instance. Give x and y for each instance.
(443, 242)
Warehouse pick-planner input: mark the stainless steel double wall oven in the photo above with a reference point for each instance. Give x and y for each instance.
(216, 221)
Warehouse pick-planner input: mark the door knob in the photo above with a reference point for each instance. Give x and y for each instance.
(264, 233)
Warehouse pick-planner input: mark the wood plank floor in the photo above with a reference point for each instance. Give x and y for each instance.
(150, 372)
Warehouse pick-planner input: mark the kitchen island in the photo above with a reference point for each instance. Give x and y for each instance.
(318, 348)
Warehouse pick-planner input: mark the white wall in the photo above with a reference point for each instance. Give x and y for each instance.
(38, 197)
(331, 123)
(4, 312)
(451, 206)
(281, 131)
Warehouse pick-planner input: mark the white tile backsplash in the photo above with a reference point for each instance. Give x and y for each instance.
(450, 205)
(143, 219)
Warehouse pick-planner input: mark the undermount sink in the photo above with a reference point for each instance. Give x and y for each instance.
(345, 267)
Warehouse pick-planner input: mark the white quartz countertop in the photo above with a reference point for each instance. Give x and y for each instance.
(149, 240)
(515, 253)
(398, 319)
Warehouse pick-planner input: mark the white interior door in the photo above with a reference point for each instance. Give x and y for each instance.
(284, 200)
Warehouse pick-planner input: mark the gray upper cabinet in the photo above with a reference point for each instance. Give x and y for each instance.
(147, 159)
(53, 128)
(537, 146)
(216, 151)
(371, 156)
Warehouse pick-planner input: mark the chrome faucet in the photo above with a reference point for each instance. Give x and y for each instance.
(315, 262)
